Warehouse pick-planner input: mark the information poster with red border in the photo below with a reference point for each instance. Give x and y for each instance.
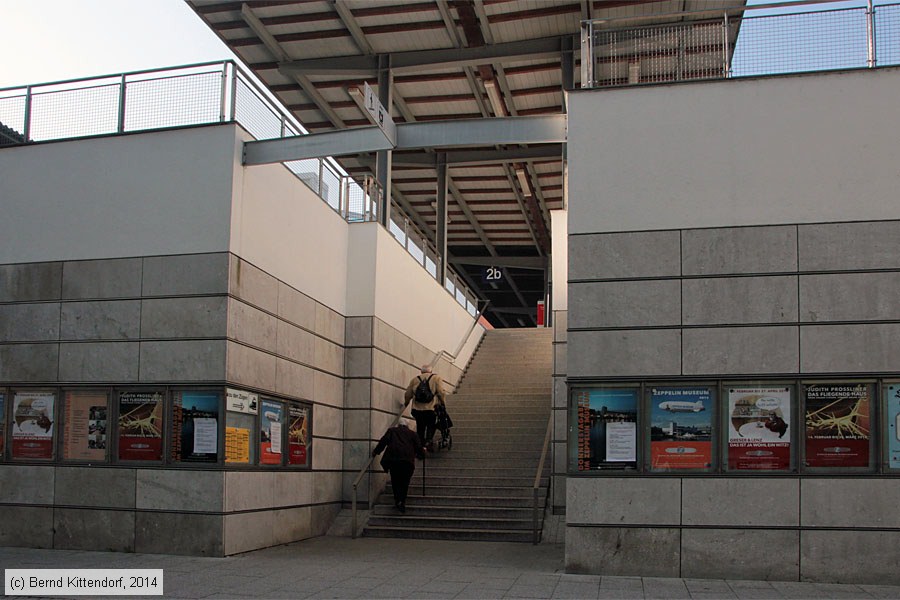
(759, 428)
(607, 428)
(298, 435)
(84, 426)
(681, 428)
(838, 424)
(270, 419)
(141, 426)
(32, 424)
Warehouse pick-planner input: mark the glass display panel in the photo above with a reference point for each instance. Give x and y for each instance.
(2, 423)
(270, 432)
(892, 418)
(759, 428)
(195, 426)
(681, 421)
(32, 422)
(298, 435)
(607, 428)
(838, 424)
(141, 426)
(240, 445)
(85, 425)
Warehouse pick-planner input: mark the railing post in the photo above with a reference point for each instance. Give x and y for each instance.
(871, 58)
(26, 126)
(726, 58)
(233, 90)
(224, 90)
(321, 170)
(587, 54)
(120, 127)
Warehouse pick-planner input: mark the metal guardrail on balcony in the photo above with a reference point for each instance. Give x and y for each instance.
(200, 94)
(737, 43)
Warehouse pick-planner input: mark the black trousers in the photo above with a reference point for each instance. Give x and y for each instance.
(425, 422)
(401, 475)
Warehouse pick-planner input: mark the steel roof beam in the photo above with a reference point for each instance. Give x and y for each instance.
(412, 136)
(482, 157)
(537, 263)
(427, 60)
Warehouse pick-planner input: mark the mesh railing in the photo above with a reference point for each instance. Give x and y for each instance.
(741, 45)
(192, 95)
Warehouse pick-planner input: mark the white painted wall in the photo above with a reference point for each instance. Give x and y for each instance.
(156, 193)
(559, 258)
(281, 226)
(389, 284)
(737, 152)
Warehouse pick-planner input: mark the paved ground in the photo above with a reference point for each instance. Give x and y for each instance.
(339, 567)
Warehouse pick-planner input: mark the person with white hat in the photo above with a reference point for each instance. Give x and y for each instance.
(401, 447)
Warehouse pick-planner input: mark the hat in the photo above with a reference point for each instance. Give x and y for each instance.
(407, 423)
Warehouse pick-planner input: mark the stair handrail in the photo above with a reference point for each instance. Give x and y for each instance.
(365, 468)
(537, 480)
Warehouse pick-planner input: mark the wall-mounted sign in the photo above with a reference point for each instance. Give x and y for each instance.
(681, 428)
(298, 435)
(607, 436)
(489, 274)
(270, 420)
(195, 418)
(380, 115)
(241, 401)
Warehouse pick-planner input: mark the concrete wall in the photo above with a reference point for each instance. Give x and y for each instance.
(560, 299)
(732, 235)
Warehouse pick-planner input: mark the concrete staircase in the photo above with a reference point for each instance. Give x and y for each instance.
(481, 489)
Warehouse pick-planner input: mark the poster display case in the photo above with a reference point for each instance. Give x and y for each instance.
(195, 425)
(85, 425)
(838, 420)
(760, 427)
(892, 424)
(141, 425)
(681, 427)
(33, 424)
(241, 410)
(606, 421)
(299, 434)
(2, 424)
(271, 434)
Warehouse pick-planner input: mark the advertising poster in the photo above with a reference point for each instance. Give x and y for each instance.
(611, 424)
(298, 434)
(892, 418)
(2, 423)
(32, 424)
(681, 428)
(270, 433)
(237, 445)
(140, 426)
(583, 418)
(195, 418)
(84, 426)
(759, 428)
(837, 424)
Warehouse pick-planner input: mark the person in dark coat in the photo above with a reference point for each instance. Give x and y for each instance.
(402, 447)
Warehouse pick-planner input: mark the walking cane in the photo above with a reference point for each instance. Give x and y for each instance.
(424, 456)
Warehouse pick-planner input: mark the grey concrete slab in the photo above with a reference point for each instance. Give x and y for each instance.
(250, 367)
(26, 526)
(30, 282)
(195, 317)
(90, 529)
(623, 551)
(29, 322)
(849, 556)
(185, 274)
(109, 278)
(26, 484)
(253, 285)
(849, 246)
(624, 353)
(610, 501)
(90, 487)
(757, 502)
(358, 331)
(849, 348)
(713, 351)
(850, 297)
(178, 533)
(625, 304)
(177, 490)
(188, 360)
(29, 362)
(330, 324)
(295, 343)
(101, 320)
(714, 554)
(294, 379)
(98, 361)
(624, 255)
(740, 300)
(837, 502)
(737, 250)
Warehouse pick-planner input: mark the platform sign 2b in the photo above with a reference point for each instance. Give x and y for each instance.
(491, 274)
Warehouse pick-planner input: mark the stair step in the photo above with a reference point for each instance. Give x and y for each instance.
(453, 471)
(434, 499)
(435, 522)
(479, 483)
(472, 535)
(443, 489)
(475, 512)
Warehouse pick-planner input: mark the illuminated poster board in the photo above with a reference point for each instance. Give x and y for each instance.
(607, 428)
(237, 445)
(680, 428)
(298, 435)
(141, 426)
(85, 425)
(195, 420)
(759, 428)
(892, 418)
(33, 420)
(838, 424)
(270, 419)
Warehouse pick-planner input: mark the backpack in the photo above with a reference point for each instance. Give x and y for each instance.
(423, 394)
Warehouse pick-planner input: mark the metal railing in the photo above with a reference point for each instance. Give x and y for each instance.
(365, 468)
(536, 538)
(735, 43)
(198, 94)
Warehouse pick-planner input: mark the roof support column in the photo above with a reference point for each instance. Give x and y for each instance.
(440, 230)
(383, 157)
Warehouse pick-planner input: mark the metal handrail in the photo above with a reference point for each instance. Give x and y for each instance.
(537, 480)
(462, 343)
(365, 468)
